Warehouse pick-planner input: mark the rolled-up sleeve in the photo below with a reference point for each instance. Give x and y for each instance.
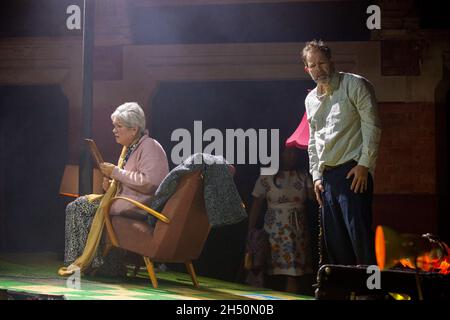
(366, 105)
(312, 152)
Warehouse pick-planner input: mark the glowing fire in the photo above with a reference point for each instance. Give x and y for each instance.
(445, 266)
(427, 263)
(426, 252)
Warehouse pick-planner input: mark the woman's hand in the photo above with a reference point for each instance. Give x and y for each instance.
(107, 169)
(255, 211)
(106, 183)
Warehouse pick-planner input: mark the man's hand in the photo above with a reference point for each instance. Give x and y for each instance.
(318, 189)
(360, 175)
(107, 169)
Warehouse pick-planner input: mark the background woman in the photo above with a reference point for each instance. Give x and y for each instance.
(285, 221)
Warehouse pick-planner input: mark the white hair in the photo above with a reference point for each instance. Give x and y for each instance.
(131, 115)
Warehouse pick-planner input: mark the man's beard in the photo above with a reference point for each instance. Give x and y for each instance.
(324, 79)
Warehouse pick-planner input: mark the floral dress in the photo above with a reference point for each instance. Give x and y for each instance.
(79, 216)
(286, 221)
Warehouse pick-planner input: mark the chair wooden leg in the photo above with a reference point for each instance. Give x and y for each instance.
(190, 269)
(107, 248)
(151, 272)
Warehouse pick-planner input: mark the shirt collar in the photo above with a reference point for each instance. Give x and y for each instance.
(334, 81)
(334, 85)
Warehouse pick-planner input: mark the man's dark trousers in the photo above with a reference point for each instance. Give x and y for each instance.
(347, 218)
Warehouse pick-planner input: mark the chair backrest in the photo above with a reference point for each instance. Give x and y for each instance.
(183, 238)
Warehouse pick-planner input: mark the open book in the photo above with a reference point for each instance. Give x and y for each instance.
(94, 151)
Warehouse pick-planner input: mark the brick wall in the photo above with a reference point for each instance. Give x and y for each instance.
(407, 157)
(405, 179)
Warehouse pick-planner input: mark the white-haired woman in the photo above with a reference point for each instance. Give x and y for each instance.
(141, 168)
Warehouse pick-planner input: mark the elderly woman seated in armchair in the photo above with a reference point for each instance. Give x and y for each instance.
(141, 168)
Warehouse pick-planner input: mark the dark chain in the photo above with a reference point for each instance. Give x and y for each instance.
(320, 237)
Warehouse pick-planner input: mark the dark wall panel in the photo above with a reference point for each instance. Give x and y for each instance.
(36, 18)
(262, 22)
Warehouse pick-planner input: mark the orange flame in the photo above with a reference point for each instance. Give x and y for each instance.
(427, 263)
(444, 267)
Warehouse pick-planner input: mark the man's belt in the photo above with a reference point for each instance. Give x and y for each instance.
(327, 168)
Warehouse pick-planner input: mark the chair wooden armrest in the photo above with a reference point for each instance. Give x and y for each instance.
(149, 210)
(109, 227)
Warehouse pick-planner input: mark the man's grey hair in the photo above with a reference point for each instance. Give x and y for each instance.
(131, 115)
(316, 45)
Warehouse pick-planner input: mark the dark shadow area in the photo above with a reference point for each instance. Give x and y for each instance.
(227, 105)
(432, 14)
(251, 22)
(33, 152)
(36, 18)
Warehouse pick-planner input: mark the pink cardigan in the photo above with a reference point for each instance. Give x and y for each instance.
(145, 169)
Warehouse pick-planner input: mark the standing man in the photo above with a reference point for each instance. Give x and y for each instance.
(343, 146)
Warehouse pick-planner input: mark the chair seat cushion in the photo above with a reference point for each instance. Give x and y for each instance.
(134, 235)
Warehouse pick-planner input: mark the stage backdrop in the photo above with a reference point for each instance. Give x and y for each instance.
(228, 105)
